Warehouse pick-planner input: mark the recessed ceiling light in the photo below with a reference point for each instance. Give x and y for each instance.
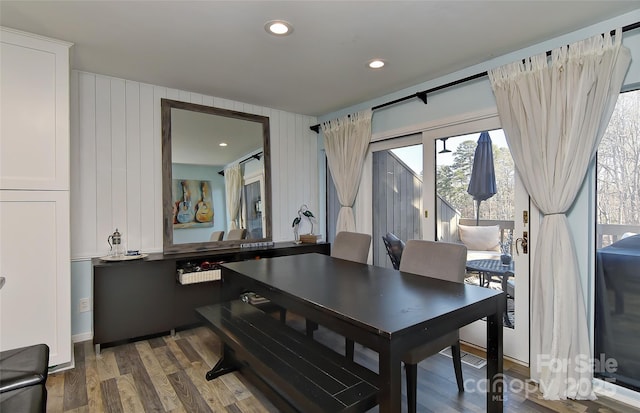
(278, 27)
(376, 64)
(223, 144)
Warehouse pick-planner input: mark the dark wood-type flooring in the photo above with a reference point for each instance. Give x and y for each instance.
(166, 374)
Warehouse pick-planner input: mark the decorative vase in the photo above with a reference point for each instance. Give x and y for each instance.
(506, 259)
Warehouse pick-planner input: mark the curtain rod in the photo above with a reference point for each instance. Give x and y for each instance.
(256, 156)
(423, 95)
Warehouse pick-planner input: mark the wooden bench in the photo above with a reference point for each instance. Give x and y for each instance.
(297, 373)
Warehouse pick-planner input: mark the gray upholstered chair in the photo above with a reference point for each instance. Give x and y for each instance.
(236, 234)
(351, 246)
(437, 260)
(217, 236)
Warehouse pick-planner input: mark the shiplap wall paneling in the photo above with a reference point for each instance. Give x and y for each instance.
(150, 157)
(116, 162)
(115, 158)
(133, 159)
(83, 158)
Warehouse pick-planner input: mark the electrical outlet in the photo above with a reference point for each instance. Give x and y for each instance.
(85, 305)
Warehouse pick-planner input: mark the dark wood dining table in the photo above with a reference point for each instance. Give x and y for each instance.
(386, 310)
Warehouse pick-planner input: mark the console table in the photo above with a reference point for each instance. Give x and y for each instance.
(138, 298)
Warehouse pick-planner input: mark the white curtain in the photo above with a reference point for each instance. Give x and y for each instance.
(233, 191)
(346, 141)
(554, 113)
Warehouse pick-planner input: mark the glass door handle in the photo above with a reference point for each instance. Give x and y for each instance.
(524, 243)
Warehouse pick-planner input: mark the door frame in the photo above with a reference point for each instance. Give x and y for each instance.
(247, 180)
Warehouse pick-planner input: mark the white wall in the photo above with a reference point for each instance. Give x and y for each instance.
(116, 171)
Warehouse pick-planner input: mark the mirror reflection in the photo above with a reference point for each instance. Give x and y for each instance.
(216, 192)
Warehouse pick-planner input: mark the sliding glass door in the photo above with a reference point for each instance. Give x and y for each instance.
(617, 281)
(489, 216)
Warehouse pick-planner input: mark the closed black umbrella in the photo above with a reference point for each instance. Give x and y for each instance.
(482, 184)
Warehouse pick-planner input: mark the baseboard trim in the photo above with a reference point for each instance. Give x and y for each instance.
(618, 394)
(79, 338)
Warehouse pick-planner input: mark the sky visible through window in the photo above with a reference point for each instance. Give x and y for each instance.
(412, 155)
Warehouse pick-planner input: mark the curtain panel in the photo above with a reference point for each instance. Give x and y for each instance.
(233, 192)
(346, 141)
(554, 112)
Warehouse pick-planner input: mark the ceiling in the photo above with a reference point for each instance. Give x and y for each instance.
(196, 138)
(220, 48)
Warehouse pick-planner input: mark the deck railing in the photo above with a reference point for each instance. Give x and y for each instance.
(449, 219)
(607, 234)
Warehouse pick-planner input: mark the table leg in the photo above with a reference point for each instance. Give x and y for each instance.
(495, 379)
(485, 279)
(390, 374)
(505, 278)
(311, 327)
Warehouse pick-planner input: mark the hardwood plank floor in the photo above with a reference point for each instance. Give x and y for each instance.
(166, 374)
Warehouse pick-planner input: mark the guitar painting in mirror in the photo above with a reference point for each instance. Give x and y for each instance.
(202, 144)
(188, 213)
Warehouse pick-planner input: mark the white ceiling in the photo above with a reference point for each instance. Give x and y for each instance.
(220, 48)
(196, 136)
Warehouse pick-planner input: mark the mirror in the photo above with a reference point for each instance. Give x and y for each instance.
(215, 175)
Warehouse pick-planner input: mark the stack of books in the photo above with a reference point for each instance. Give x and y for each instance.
(309, 238)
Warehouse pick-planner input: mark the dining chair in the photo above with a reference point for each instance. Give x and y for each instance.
(394, 246)
(236, 234)
(217, 236)
(445, 261)
(350, 246)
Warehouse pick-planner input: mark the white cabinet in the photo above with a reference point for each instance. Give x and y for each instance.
(34, 259)
(35, 302)
(34, 122)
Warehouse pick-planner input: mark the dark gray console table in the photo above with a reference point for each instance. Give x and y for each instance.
(139, 298)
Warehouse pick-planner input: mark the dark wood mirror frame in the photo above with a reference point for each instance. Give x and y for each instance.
(167, 198)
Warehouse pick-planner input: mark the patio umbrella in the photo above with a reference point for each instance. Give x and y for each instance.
(482, 184)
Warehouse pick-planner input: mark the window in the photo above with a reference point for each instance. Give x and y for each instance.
(617, 302)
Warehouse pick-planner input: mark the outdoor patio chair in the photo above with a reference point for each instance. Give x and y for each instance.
(394, 246)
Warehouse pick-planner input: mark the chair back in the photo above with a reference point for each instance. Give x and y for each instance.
(394, 246)
(236, 234)
(216, 236)
(443, 260)
(351, 246)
